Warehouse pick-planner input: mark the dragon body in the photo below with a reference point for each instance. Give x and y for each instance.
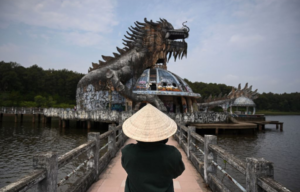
(147, 44)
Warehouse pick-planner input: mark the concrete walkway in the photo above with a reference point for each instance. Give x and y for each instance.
(113, 178)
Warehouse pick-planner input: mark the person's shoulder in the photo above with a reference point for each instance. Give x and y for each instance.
(172, 150)
(128, 147)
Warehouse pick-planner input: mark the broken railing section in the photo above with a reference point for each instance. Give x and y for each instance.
(46, 165)
(259, 173)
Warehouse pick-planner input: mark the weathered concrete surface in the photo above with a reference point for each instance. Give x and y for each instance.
(113, 179)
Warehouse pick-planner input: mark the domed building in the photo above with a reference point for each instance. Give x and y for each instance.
(243, 102)
(169, 87)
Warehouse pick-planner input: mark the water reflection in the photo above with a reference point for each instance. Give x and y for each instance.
(281, 148)
(19, 142)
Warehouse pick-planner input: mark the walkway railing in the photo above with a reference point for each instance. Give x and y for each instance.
(46, 165)
(259, 173)
(111, 115)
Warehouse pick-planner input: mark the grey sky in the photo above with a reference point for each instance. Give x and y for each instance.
(231, 42)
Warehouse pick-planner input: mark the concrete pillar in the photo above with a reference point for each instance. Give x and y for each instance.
(260, 127)
(190, 105)
(209, 156)
(195, 106)
(191, 140)
(276, 125)
(247, 110)
(217, 131)
(109, 99)
(59, 122)
(180, 136)
(112, 140)
(88, 124)
(257, 168)
(281, 126)
(94, 136)
(1, 117)
(47, 161)
(184, 105)
(39, 118)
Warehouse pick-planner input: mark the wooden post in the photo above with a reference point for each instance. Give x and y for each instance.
(63, 123)
(257, 168)
(21, 119)
(59, 122)
(88, 124)
(33, 118)
(209, 156)
(47, 161)
(1, 117)
(94, 136)
(276, 125)
(39, 118)
(281, 126)
(260, 127)
(217, 131)
(16, 118)
(191, 140)
(112, 140)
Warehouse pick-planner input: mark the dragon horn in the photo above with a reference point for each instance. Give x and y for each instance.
(126, 41)
(139, 27)
(129, 34)
(130, 38)
(135, 33)
(142, 24)
(145, 19)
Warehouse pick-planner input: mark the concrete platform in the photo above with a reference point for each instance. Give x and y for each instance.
(114, 177)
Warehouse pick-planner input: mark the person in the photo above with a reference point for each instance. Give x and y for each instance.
(151, 165)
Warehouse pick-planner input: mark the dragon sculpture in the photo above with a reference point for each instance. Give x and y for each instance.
(147, 44)
(226, 101)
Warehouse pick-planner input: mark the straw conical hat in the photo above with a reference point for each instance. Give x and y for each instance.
(149, 125)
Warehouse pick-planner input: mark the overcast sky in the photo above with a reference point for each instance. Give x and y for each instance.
(230, 42)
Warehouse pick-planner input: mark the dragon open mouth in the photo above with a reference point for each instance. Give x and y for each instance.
(176, 42)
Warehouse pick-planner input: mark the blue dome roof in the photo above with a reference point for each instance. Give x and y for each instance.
(158, 81)
(243, 101)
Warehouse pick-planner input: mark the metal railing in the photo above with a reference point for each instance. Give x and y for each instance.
(46, 165)
(259, 173)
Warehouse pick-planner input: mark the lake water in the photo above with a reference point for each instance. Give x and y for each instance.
(281, 148)
(19, 143)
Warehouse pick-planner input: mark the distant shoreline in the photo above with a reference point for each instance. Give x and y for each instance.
(277, 113)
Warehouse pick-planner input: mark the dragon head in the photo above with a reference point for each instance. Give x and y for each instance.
(159, 38)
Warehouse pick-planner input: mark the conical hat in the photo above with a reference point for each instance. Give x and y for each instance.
(149, 125)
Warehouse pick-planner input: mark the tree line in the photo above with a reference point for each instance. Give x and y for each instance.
(288, 102)
(35, 87)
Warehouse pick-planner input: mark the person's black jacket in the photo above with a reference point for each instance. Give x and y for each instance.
(151, 167)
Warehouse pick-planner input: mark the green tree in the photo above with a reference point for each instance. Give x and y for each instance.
(40, 101)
